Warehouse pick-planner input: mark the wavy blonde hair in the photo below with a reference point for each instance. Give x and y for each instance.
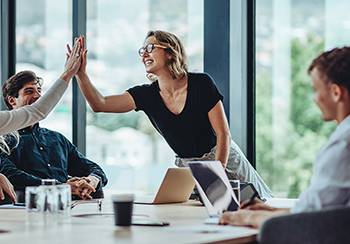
(8, 142)
(178, 64)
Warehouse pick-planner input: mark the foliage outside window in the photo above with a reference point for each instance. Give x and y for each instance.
(289, 127)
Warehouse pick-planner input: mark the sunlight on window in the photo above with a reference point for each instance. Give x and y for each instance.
(289, 128)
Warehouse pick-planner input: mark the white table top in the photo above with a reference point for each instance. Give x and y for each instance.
(99, 227)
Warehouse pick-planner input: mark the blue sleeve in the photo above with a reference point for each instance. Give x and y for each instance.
(79, 165)
(19, 178)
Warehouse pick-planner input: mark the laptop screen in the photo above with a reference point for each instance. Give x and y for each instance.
(213, 186)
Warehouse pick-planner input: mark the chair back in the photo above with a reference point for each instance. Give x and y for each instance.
(325, 226)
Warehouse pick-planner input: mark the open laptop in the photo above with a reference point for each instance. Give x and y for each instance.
(176, 187)
(214, 187)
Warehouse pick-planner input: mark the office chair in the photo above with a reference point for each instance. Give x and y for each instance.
(325, 226)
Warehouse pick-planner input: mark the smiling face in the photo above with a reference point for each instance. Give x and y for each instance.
(156, 61)
(27, 95)
(323, 95)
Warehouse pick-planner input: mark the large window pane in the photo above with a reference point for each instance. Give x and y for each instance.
(131, 152)
(289, 128)
(43, 28)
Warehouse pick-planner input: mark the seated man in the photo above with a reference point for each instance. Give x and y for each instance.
(43, 153)
(330, 183)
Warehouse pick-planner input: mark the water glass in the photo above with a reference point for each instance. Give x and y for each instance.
(64, 202)
(235, 184)
(33, 196)
(48, 204)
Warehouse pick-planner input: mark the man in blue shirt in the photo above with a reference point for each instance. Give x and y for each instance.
(43, 153)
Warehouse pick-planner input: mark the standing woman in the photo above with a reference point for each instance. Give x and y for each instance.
(185, 108)
(16, 119)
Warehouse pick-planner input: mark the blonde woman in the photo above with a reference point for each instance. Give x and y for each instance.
(185, 108)
(16, 119)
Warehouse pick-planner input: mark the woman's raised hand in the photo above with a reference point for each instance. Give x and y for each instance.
(82, 68)
(73, 61)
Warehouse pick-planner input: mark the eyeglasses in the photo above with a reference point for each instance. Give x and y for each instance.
(149, 48)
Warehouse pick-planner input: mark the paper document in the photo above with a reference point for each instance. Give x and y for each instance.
(12, 206)
(212, 221)
(207, 228)
(281, 202)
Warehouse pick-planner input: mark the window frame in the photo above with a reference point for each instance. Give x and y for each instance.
(232, 64)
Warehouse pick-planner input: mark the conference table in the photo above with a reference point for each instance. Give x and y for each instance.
(89, 224)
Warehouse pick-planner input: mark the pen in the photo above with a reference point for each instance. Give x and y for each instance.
(251, 200)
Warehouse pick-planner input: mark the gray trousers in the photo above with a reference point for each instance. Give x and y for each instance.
(237, 168)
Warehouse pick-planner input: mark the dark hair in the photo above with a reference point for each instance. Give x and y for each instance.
(178, 64)
(16, 83)
(334, 65)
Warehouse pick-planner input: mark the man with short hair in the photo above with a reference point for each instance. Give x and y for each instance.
(330, 183)
(43, 153)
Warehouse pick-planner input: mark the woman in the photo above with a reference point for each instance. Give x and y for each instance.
(28, 115)
(186, 108)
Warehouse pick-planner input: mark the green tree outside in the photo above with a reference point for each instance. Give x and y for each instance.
(287, 169)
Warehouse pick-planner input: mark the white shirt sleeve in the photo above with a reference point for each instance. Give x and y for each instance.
(330, 184)
(28, 115)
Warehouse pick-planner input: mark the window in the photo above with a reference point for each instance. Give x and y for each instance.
(43, 28)
(289, 128)
(127, 147)
(133, 155)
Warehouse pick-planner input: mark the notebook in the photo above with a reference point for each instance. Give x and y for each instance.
(214, 187)
(176, 187)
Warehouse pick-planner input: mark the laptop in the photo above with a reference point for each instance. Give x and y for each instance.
(214, 187)
(176, 187)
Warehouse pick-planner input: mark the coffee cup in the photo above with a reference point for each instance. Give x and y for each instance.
(123, 206)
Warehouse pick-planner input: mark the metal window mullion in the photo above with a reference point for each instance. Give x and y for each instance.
(217, 46)
(242, 76)
(8, 41)
(250, 28)
(79, 104)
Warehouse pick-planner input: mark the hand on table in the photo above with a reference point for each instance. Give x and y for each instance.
(93, 181)
(81, 186)
(253, 215)
(256, 205)
(238, 218)
(6, 186)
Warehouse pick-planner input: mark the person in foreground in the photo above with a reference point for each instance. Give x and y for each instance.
(27, 115)
(330, 183)
(185, 108)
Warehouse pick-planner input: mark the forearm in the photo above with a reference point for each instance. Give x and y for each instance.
(223, 148)
(257, 218)
(95, 99)
(67, 76)
(28, 115)
(219, 123)
(19, 178)
(95, 181)
(251, 218)
(80, 166)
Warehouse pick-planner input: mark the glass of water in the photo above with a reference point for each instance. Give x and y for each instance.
(235, 184)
